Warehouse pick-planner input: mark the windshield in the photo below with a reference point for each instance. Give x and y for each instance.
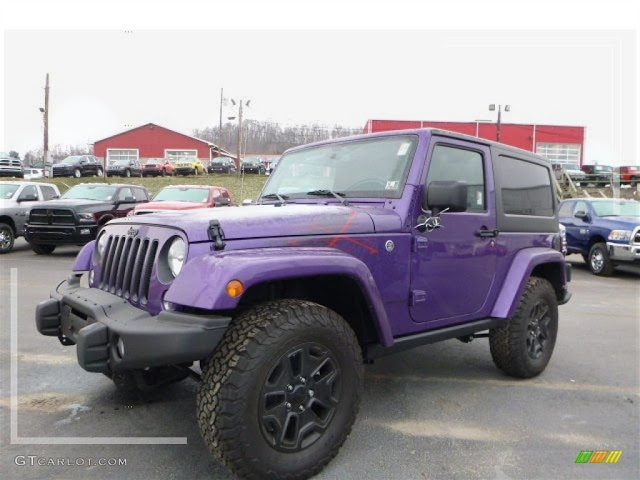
(91, 192)
(252, 161)
(571, 166)
(154, 161)
(220, 160)
(183, 194)
(7, 191)
(119, 163)
(72, 159)
(616, 208)
(602, 168)
(375, 167)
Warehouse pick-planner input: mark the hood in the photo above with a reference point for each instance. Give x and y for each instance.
(171, 205)
(74, 204)
(620, 223)
(268, 221)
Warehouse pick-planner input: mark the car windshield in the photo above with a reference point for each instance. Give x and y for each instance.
(602, 168)
(571, 166)
(154, 161)
(91, 192)
(71, 159)
(183, 194)
(616, 208)
(251, 161)
(375, 167)
(634, 168)
(119, 163)
(220, 161)
(7, 191)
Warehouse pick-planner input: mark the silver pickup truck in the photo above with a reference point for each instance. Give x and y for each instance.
(15, 201)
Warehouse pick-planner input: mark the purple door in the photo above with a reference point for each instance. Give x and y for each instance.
(453, 267)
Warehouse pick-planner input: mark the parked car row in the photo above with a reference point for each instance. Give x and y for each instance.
(37, 211)
(598, 175)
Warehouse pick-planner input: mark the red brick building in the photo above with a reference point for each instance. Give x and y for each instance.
(560, 144)
(154, 141)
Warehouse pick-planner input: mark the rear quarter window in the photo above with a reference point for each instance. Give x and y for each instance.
(525, 194)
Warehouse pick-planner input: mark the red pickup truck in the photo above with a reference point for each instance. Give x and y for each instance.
(629, 174)
(186, 197)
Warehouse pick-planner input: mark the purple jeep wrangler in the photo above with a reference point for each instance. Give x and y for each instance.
(357, 248)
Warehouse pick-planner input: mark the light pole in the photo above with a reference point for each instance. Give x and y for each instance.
(246, 104)
(45, 116)
(492, 107)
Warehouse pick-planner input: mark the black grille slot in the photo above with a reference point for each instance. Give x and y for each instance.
(52, 216)
(127, 265)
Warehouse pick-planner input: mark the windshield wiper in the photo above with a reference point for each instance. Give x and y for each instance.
(327, 193)
(282, 198)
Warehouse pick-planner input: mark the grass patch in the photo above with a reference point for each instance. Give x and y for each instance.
(241, 187)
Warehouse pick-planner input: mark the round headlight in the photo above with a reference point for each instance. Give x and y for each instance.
(176, 255)
(102, 244)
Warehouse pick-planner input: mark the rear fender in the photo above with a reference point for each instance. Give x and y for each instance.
(202, 281)
(521, 269)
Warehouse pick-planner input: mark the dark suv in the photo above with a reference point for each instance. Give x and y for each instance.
(78, 166)
(124, 168)
(598, 174)
(358, 248)
(222, 165)
(74, 219)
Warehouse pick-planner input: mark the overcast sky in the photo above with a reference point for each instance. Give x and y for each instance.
(108, 79)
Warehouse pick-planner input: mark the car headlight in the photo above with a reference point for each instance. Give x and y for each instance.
(102, 244)
(176, 256)
(620, 235)
(86, 217)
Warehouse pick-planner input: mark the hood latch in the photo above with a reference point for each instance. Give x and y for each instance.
(216, 234)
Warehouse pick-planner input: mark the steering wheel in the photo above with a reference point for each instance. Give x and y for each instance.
(373, 183)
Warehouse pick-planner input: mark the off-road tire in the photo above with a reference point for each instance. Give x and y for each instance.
(599, 262)
(261, 346)
(8, 238)
(514, 346)
(43, 249)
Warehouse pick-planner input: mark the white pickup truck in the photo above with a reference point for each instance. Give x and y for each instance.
(15, 201)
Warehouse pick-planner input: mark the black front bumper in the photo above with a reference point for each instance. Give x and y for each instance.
(60, 234)
(96, 321)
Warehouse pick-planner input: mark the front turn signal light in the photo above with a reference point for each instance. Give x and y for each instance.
(235, 288)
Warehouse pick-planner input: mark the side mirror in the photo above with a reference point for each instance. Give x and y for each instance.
(246, 202)
(582, 215)
(440, 195)
(222, 201)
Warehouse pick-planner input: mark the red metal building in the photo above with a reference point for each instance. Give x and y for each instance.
(154, 141)
(560, 144)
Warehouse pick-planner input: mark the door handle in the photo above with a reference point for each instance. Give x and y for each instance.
(484, 233)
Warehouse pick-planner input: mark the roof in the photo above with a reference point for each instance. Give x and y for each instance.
(210, 144)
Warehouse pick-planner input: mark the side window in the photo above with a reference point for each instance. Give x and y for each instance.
(124, 193)
(566, 210)
(581, 206)
(457, 164)
(29, 191)
(140, 195)
(47, 192)
(525, 187)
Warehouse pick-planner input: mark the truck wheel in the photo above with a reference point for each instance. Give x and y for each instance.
(523, 346)
(7, 238)
(599, 262)
(281, 391)
(99, 172)
(43, 249)
(77, 173)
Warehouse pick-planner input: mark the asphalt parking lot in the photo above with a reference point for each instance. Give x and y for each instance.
(436, 412)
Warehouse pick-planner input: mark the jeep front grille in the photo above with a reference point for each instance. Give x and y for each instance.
(126, 267)
(52, 216)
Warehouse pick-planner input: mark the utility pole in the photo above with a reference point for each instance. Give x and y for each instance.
(45, 112)
(239, 137)
(220, 129)
(492, 107)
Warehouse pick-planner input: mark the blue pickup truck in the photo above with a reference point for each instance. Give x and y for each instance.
(605, 231)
